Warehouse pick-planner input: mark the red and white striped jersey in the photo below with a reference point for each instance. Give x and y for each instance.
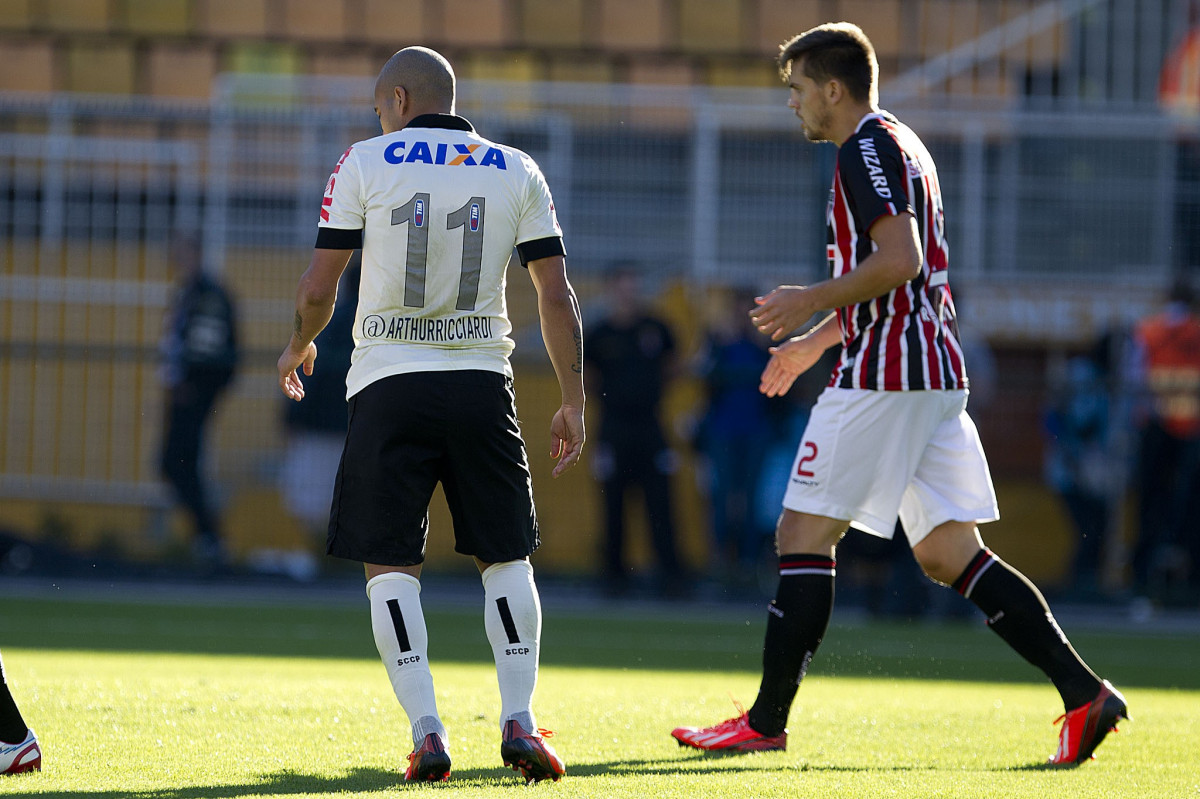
(907, 339)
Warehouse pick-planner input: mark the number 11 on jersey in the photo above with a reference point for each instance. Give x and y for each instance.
(415, 213)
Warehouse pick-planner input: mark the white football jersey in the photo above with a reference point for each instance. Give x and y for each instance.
(440, 209)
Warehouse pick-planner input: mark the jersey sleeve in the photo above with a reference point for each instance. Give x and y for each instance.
(873, 173)
(343, 214)
(538, 218)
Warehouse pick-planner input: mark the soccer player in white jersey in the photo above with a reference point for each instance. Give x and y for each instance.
(437, 210)
(890, 435)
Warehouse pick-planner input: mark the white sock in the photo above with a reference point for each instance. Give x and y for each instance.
(512, 616)
(403, 643)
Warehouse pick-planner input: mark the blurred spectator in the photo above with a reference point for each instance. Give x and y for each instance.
(1168, 359)
(630, 360)
(1079, 466)
(1179, 95)
(731, 437)
(881, 576)
(316, 428)
(1179, 80)
(200, 356)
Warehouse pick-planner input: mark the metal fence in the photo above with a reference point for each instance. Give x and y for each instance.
(1053, 54)
(1065, 219)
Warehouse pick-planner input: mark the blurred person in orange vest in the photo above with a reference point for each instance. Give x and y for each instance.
(1179, 81)
(1168, 357)
(1179, 96)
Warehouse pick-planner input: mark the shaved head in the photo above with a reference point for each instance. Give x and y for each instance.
(426, 77)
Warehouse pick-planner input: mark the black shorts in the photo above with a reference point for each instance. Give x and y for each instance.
(406, 433)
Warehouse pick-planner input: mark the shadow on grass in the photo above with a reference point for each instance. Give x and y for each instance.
(281, 783)
(770, 765)
(289, 783)
(372, 780)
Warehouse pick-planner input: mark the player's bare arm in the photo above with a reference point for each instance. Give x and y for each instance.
(797, 355)
(315, 298)
(562, 331)
(896, 260)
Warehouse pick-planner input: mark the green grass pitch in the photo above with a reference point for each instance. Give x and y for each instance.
(265, 700)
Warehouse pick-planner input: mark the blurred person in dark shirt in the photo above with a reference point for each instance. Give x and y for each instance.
(732, 434)
(631, 359)
(200, 358)
(1079, 466)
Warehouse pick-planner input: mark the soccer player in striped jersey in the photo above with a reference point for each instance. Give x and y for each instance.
(890, 435)
(438, 210)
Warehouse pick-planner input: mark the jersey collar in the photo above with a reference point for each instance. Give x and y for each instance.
(446, 121)
(881, 115)
(866, 118)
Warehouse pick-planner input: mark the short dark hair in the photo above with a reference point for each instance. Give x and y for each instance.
(834, 51)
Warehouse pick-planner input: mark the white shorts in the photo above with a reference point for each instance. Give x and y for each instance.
(870, 456)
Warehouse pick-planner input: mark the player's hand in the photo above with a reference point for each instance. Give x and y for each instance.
(291, 360)
(782, 311)
(788, 361)
(566, 438)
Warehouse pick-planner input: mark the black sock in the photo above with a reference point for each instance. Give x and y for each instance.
(12, 726)
(796, 624)
(1018, 613)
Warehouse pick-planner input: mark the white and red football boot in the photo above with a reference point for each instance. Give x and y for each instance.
(20, 757)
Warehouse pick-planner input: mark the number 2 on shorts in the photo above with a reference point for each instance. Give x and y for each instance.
(812, 455)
